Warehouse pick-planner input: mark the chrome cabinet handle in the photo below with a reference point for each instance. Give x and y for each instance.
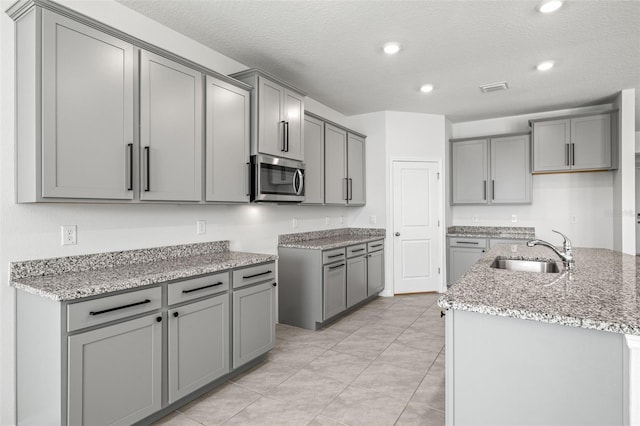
(573, 154)
(566, 154)
(282, 141)
(346, 189)
(493, 189)
(130, 154)
(147, 185)
(484, 186)
(104, 311)
(286, 147)
(248, 179)
(350, 192)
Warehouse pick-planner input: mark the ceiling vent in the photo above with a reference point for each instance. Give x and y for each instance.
(494, 87)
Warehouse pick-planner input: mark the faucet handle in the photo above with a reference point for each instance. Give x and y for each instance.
(566, 245)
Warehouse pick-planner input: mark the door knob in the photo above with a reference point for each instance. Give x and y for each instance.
(397, 234)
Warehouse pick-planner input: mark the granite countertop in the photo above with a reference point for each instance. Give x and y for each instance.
(330, 239)
(75, 277)
(507, 232)
(601, 293)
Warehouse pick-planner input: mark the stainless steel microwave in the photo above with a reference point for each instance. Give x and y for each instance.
(276, 179)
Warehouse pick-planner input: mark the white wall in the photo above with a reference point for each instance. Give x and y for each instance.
(579, 204)
(624, 223)
(33, 231)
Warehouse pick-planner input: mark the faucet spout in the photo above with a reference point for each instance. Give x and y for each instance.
(566, 255)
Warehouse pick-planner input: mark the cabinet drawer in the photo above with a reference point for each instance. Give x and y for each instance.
(109, 308)
(358, 250)
(254, 274)
(468, 242)
(334, 255)
(375, 246)
(197, 287)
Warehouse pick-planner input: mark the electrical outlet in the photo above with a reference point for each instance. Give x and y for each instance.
(341, 219)
(69, 235)
(373, 219)
(474, 218)
(201, 227)
(294, 223)
(327, 221)
(514, 218)
(573, 219)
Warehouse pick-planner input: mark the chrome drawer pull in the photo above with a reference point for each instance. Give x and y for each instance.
(376, 245)
(255, 275)
(337, 266)
(467, 242)
(104, 311)
(202, 288)
(335, 255)
(355, 251)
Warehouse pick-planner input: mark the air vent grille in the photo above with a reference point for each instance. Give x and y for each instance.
(494, 87)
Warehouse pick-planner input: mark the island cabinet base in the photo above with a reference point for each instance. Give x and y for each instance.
(507, 371)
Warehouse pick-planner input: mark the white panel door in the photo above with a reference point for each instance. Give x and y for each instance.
(416, 244)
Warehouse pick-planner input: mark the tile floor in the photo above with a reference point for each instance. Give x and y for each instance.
(380, 365)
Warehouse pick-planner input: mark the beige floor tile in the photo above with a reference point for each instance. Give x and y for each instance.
(407, 357)
(357, 406)
(290, 332)
(425, 341)
(295, 355)
(438, 366)
(347, 325)
(398, 383)
(176, 419)
(384, 302)
(431, 392)
(338, 366)
(361, 347)
(220, 404)
(398, 319)
(325, 338)
(308, 390)
(324, 421)
(265, 376)
(380, 331)
(267, 411)
(420, 414)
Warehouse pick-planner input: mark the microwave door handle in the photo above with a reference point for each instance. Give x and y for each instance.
(299, 179)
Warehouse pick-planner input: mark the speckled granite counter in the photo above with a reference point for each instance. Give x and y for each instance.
(602, 293)
(507, 232)
(75, 277)
(330, 239)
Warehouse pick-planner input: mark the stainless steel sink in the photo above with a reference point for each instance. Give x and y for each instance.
(541, 266)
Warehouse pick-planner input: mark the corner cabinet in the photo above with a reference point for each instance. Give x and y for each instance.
(491, 170)
(277, 111)
(578, 143)
(74, 128)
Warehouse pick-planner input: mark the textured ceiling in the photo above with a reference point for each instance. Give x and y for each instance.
(332, 50)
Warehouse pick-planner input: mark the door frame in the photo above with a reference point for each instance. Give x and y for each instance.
(389, 261)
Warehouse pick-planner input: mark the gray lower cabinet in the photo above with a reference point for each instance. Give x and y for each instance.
(313, 160)
(577, 143)
(115, 373)
(463, 253)
(375, 272)
(74, 115)
(356, 274)
(254, 319)
(334, 289)
(227, 142)
(198, 341)
(491, 170)
(170, 130)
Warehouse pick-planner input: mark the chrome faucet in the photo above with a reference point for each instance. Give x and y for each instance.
(566, 255)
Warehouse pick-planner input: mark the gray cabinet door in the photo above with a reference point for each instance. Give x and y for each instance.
(198, 345)
(270, 120)
(551, 145)
(115, 373)
(313, 160)
(591, 142)
(293, 114)
(254, 322)
(356, 280)
(170, 130)
(334, 290)
(375, 272)
(461, 260)
(356, 170)
(470, 173)
(335, 165)
(227, 142)
(87, 111)
(510, 175)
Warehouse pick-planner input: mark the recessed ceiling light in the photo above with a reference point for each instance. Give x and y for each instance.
(391, 48)
(426, 88)
(549, 6)
(545, 66)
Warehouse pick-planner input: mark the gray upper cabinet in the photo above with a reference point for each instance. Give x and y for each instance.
(170, 130)
(314, 160)
(573, 144)
(335, 165)
(85, 114)
(277, 111)
(493, 170)
(227, 142)
(198, 345)
(356, 161)
(105, 389)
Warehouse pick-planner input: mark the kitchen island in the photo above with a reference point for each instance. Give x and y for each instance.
(545, 348)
